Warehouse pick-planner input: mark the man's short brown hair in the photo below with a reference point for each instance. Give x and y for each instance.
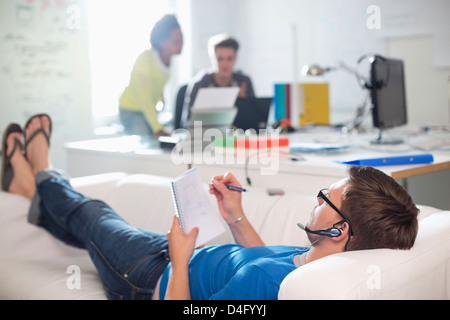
(222, 41)
(381, 212)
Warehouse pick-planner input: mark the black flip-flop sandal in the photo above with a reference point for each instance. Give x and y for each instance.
(7, 172)
(38, 131)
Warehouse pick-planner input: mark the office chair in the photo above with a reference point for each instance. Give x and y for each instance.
(179, 106)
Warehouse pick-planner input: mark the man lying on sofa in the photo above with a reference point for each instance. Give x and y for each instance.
(367, 210)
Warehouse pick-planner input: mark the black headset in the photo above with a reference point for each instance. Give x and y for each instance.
(379, 83)
(330, 232)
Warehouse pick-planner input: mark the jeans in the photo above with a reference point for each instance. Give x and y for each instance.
(129, 260)
(134, 123)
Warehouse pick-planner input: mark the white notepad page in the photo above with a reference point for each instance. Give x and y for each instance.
(193, 207)
(213, 98)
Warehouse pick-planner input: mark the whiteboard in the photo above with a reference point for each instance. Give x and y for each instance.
(44, 65)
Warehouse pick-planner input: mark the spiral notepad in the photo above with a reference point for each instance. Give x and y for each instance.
(193, 207)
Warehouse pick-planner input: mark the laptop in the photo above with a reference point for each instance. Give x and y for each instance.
(253, 113)
(220, 119)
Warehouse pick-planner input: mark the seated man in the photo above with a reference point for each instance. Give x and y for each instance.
(222, 51)
(364, 211)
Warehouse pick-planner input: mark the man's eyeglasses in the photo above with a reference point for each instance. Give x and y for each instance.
(323, 195)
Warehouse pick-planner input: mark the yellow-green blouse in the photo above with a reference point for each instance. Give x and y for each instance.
(145, 88)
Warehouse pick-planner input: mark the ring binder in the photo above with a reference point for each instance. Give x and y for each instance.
(178, 207)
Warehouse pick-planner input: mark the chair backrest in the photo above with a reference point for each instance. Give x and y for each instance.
(179, 104)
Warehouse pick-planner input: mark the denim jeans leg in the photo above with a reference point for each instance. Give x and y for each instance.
(129, 260)
(62, 202)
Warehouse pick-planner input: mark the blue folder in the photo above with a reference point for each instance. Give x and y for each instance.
(390, 161)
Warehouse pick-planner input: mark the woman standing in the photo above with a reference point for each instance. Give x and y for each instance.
(137, 104)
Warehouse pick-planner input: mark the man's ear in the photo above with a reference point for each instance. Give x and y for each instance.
(345, 229)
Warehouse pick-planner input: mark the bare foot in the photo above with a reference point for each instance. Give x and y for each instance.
(23, 181)
(37, 148)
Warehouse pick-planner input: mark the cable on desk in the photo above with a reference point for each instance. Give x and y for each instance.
(298, 157)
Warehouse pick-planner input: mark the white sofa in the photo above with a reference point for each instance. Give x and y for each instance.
(33, 265)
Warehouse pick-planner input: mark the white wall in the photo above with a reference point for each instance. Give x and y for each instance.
(279, 36)
(269, 32)
(207, 19)
(427, 86)
(416, 31)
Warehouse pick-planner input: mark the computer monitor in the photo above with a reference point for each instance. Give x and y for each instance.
(253, 113)
(388, 95)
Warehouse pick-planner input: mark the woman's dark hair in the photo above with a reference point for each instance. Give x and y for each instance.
(162, 29)
(381, 212)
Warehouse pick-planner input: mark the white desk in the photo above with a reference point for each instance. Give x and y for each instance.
(306, 176)
(319, 170)
(307, 171)
(129, 154)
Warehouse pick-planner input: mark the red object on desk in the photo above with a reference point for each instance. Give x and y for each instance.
(261, 142)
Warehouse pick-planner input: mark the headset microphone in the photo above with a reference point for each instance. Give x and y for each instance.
(330, 232)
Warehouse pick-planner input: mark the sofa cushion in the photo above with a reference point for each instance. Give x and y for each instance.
(34, 265)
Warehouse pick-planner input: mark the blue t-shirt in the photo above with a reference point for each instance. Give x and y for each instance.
(232, 272)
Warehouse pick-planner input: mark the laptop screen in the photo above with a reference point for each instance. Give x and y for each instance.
(253, 113)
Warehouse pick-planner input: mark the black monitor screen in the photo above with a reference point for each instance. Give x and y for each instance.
(388, 93)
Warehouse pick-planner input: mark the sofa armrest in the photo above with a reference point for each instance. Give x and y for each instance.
(419, 273)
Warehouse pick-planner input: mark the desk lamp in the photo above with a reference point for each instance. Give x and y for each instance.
(316, 70)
